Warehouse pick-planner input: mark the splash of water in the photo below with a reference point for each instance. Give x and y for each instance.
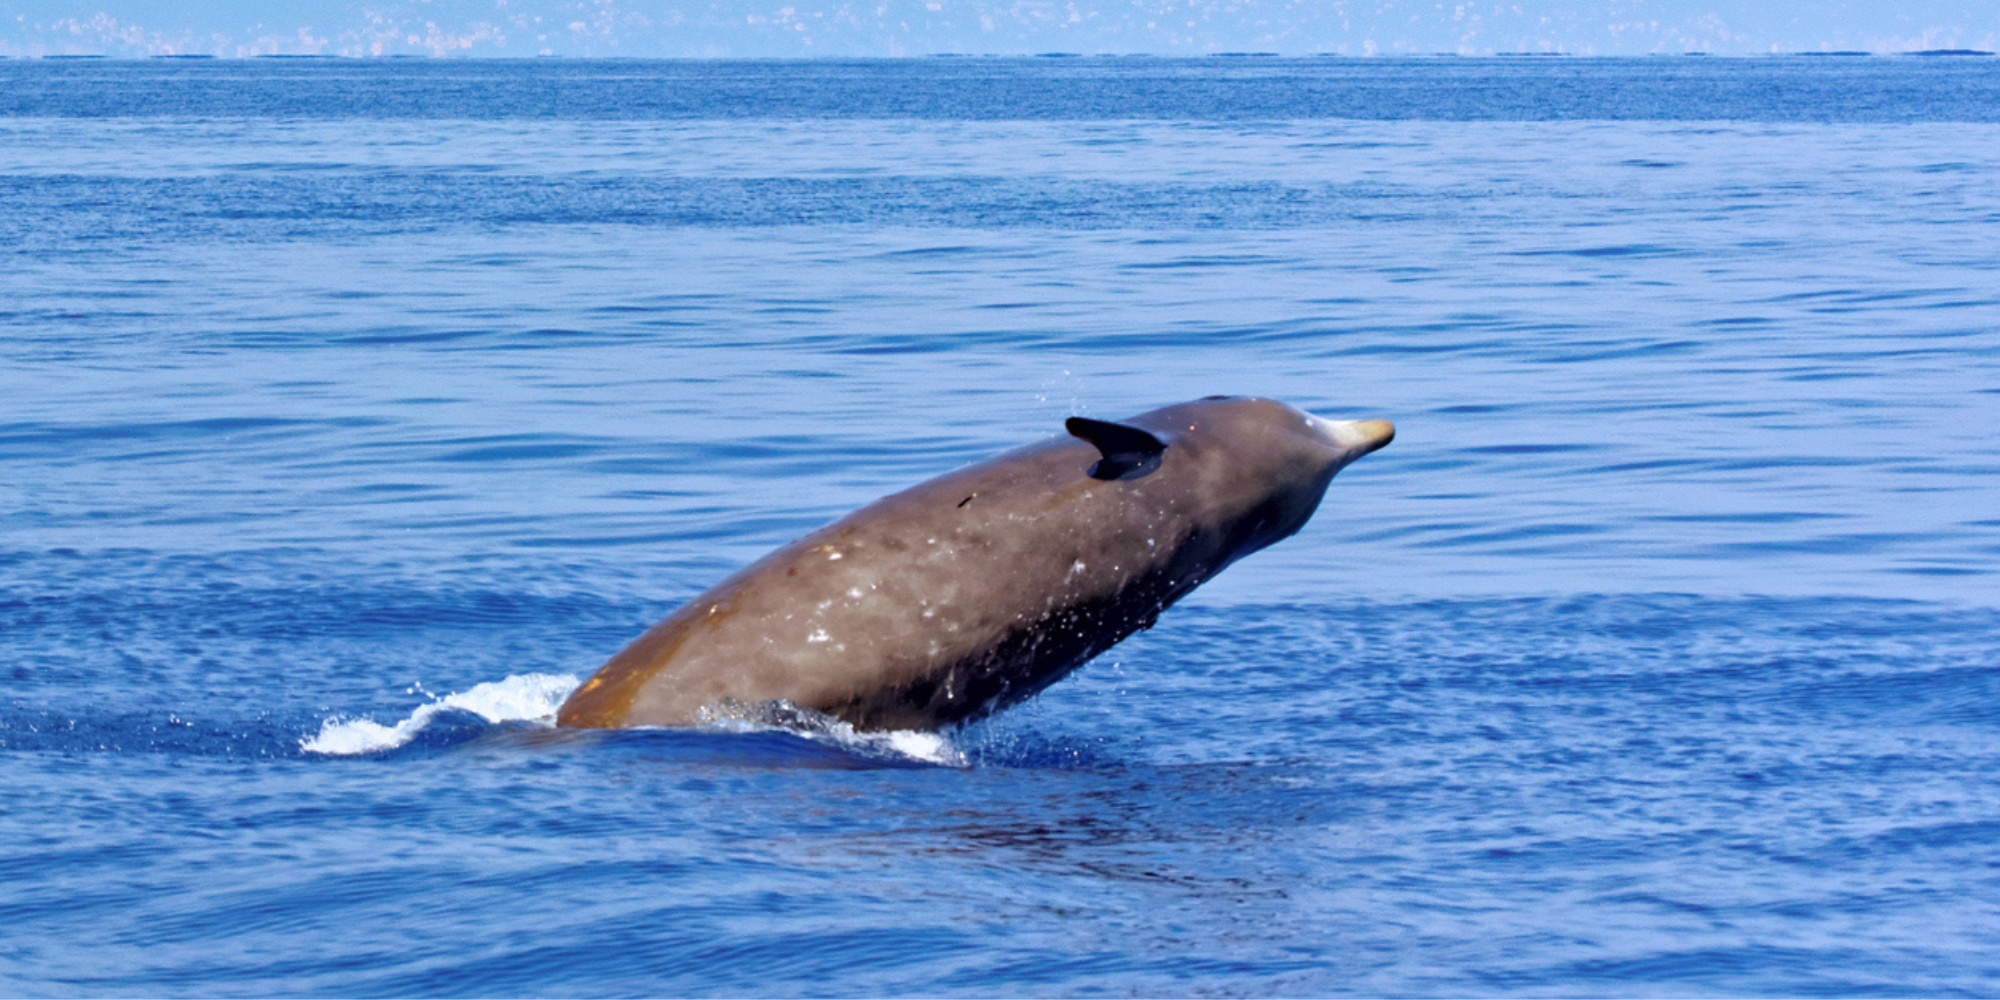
(520, 698)
(783, 716)
(534, 698)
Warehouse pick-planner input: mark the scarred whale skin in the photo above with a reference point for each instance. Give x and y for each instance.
(972, 591)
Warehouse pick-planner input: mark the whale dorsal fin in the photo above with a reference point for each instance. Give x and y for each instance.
(1128, 451)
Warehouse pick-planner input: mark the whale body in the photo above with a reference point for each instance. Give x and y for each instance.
(973, 591)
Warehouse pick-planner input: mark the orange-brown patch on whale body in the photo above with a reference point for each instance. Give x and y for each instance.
(605, 700)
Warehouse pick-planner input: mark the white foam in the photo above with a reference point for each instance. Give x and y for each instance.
(925, 746)
(931, 748)
(521, 698)
(535, 698)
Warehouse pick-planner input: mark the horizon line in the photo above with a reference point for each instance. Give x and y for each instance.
(469, 56)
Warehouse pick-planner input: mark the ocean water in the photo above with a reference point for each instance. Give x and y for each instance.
(352, 412)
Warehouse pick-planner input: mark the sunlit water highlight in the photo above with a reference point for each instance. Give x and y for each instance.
(353, 412)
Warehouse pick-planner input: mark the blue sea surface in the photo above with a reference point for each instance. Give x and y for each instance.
(352, 412)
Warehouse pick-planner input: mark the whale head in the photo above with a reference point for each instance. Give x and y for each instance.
(1267, 460)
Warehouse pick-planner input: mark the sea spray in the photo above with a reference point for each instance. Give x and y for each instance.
(520, 698)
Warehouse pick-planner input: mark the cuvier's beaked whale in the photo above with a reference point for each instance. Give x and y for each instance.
(973, 591)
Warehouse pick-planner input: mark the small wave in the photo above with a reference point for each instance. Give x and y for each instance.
(783, 716)
(534, 698)
(521, 698)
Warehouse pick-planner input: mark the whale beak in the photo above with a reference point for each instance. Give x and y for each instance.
(1359, 436)
(1374, 434)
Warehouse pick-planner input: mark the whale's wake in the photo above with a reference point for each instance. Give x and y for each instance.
(783, 716)
(532, 700)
